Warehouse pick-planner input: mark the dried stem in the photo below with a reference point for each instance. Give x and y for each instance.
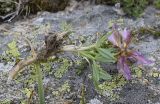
(14, 71)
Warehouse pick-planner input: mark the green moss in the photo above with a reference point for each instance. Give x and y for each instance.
(11, 53)
(157, 4)
(63, 68)
(28, 77)
(118, 81)
(145, 30)
(119, 22)
(27, 92)
(138, 72)
(63, 89)
(23, 102)
(109, 87)
(13, 50)
(134, 7)
(39, 29)
(65, 26)
(5, 58)
(47, 67)
(6, 101)
(155, 74)
(131, 7)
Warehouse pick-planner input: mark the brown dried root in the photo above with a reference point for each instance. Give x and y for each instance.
(53, 43)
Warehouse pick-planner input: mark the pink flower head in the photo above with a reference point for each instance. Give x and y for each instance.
(122, 40)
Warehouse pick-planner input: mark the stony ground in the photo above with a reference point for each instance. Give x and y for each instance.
(87, 24)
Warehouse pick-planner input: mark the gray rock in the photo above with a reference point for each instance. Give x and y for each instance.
(95, 101)
(87, 23)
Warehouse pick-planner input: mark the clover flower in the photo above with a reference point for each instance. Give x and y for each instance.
(122, 39)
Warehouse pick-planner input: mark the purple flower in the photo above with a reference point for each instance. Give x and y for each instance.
(122, 40)
(123, 67)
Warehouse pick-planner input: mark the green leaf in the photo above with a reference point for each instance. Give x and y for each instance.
(104, 75)
(95, 71)
(101, 41)
(106, 53)
(95, 75)
(98, 74)
(100, 58)
(87, 54)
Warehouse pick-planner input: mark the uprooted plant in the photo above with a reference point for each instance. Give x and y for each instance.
(98, 52)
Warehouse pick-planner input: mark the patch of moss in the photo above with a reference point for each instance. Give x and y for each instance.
(27, 92)
(30, 75)
(47, 67)
(63, 89)
(107, 88)
(39, 29)
(5, 58)
(138, 72)
(63, 68)
(13, 50)
(155, 74)
(27, 77)
(134, 7)
(146, 30)
(157, 4)
(119, 22)
(65, 26)
(5, 101)
(131, 7)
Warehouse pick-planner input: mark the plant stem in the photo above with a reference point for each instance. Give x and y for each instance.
(82, 101)
(40, 83)
(77, 48)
